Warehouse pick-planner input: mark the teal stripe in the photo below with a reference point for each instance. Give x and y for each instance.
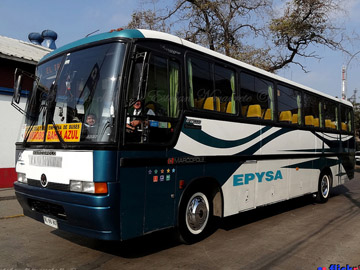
(129, 33)
(206, 139)
(315, 164)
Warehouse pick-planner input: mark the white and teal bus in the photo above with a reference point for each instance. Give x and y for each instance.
(178, 135)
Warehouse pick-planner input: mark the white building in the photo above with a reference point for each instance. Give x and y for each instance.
(13, 54)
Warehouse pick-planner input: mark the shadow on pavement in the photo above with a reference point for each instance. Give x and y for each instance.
(166, 239)
(134, 248)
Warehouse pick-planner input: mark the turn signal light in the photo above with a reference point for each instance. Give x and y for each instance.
(101, 188)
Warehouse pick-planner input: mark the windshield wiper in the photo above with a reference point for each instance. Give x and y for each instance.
(61, 140)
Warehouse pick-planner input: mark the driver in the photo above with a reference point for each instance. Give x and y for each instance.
(132, 123)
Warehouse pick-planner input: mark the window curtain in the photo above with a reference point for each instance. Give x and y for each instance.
(191, 87)
(298, 101)
(321, 115)
(174, 89)
(271, 97)
(232, 83)
(350, 121)
(337, 119)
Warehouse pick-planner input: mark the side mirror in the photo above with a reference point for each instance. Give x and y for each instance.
(17, 89)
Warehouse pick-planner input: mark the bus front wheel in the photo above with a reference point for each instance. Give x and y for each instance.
(323, 188)
(195, 217)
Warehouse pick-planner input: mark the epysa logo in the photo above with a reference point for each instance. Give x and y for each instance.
(244, 179)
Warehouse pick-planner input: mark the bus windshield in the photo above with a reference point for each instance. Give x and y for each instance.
(73, 98)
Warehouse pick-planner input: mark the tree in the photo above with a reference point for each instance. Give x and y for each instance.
(304, 23)
(246, 30)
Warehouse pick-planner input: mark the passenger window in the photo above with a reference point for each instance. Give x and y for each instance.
(331, 115)
(289, 105)
(225, 88)
(346, 119)
(257, 97)
(201, 85)
(312, 111)
(211, 86)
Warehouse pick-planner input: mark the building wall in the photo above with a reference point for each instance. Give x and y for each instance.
(9, 132)
(10, 118)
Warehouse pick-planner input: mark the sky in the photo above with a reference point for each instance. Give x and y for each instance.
(75, 19)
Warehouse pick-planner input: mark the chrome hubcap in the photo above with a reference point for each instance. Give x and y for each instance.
(325, 186)
(197, 213)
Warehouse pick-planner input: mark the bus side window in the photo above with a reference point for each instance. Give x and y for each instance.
(201, 94)
(203, 76)
(257, 97)
(312, 111)
(346, 119)
(289, 105)
(225, 88)
(331, 115)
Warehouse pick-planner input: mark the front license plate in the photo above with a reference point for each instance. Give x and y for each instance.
(51, 222)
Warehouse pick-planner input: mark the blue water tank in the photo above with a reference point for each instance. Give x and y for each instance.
(35, 38)
(49, 39)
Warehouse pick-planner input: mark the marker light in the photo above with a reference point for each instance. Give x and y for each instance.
(88, 187)
(21, 177)
(181, 184)
(116, 30)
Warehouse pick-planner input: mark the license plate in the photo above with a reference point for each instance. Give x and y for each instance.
(51, 222)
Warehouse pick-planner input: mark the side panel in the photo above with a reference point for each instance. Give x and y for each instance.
(273, 163)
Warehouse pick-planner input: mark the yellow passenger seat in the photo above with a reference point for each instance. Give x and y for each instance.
(309, 120)
(244, 110)
(285, 116)
(229, 107)
(209, 104)
(316, 122)
(267, 115)
(328, 123)
(254, 111)
(295, 118)
(344, 126)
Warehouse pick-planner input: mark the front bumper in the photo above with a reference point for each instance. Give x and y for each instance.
(92, 216)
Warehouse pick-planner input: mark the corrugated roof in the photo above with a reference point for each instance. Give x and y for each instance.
(22, 51)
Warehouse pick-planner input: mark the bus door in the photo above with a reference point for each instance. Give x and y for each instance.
(151, 117)
(159, 201)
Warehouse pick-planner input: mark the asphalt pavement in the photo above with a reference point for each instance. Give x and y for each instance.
(296, 234)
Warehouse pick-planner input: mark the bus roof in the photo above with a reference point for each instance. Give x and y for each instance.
(150, 34)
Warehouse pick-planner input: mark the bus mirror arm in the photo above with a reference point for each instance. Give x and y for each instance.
(143, 77)
(17, 89)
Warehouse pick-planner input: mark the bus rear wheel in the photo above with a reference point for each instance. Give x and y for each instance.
(323, 188)
(195, 217)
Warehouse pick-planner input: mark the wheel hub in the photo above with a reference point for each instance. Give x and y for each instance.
(324, 186)
(197, 213)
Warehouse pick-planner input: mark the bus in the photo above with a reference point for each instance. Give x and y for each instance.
(133, 131)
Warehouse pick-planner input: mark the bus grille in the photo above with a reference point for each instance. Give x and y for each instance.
(51, 185)
(47, 208)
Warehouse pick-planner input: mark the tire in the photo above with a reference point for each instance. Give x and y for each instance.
(195, 217)
(324, 186)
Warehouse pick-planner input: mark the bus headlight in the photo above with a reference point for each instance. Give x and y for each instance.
(21, 177)
(88, 187)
